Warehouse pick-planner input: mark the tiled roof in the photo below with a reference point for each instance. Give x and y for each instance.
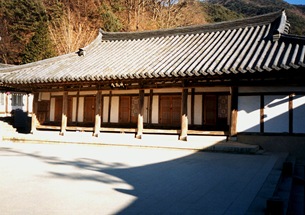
(251, 45)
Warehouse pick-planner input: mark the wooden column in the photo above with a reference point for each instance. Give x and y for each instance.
(184, 121)
(97, 124)
(34, 113)
(64, 114)
(291, 113)
(140, 115)
(234, 106)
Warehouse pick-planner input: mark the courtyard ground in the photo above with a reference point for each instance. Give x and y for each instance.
(75, 179)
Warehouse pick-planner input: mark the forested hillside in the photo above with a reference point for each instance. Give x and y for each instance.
(296, 14)
(32, 30)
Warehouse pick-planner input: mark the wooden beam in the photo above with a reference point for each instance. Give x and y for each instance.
(262, 113)
(34, 113)
(184, 120)
(291, 113)
(64, 114)
(97, 123)
(140, 115)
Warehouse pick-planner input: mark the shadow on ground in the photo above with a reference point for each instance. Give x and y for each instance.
(201, 183)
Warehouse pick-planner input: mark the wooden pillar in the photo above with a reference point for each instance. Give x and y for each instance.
(64, 114)
(291, 113)
(262, 114)
(234, 106)
(140, 115)
(184, 121)
(97, 123)
(34, 113)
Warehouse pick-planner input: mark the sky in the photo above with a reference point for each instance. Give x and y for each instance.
(296, 1)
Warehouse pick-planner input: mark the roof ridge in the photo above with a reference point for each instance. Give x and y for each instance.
(283, 26)
(194, 29)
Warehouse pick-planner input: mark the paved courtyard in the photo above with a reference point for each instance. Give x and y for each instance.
(91, 179)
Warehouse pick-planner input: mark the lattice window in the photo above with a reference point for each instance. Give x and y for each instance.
(17, 99)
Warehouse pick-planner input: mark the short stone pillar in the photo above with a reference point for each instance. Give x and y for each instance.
(64, 118)
(184, 120)
(140, 126)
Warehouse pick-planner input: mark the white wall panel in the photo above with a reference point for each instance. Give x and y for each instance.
(74, 104)
(80, 109)
(299, 114)
(155, 109)
(114, 115)
(248, 116)
(3, 102)
(198, 110)
(92, 92)
(57, 93)
(115, 92)
(30, 103)
(146, 110)
(52, 109)
(189, 108)
(269, 89)
(45, 96)
(168, 90)
(105, 108)
(276, 113)
(212, 89)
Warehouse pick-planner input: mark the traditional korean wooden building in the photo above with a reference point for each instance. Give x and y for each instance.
(228, 78)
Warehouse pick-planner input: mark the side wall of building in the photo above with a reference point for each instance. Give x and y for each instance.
(273, 117)
(271, 110)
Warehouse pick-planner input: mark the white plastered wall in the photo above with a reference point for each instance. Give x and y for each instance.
(146, 109)
(276, 113)
(46, 96)
(114, 113)
(52, 109)
(155, 109)
(299, 114)
(74, 105)
(248, 119)
(80, 117)
(276, 110)
(3, 103)
(105, 108)
(198, 110)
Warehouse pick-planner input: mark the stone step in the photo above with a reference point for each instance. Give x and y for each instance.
(7, 128)
(235, 147)
(297, 198)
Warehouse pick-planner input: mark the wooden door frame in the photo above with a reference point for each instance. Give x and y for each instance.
(171, 114)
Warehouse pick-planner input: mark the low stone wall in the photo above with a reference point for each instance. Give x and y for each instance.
(294, 145)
